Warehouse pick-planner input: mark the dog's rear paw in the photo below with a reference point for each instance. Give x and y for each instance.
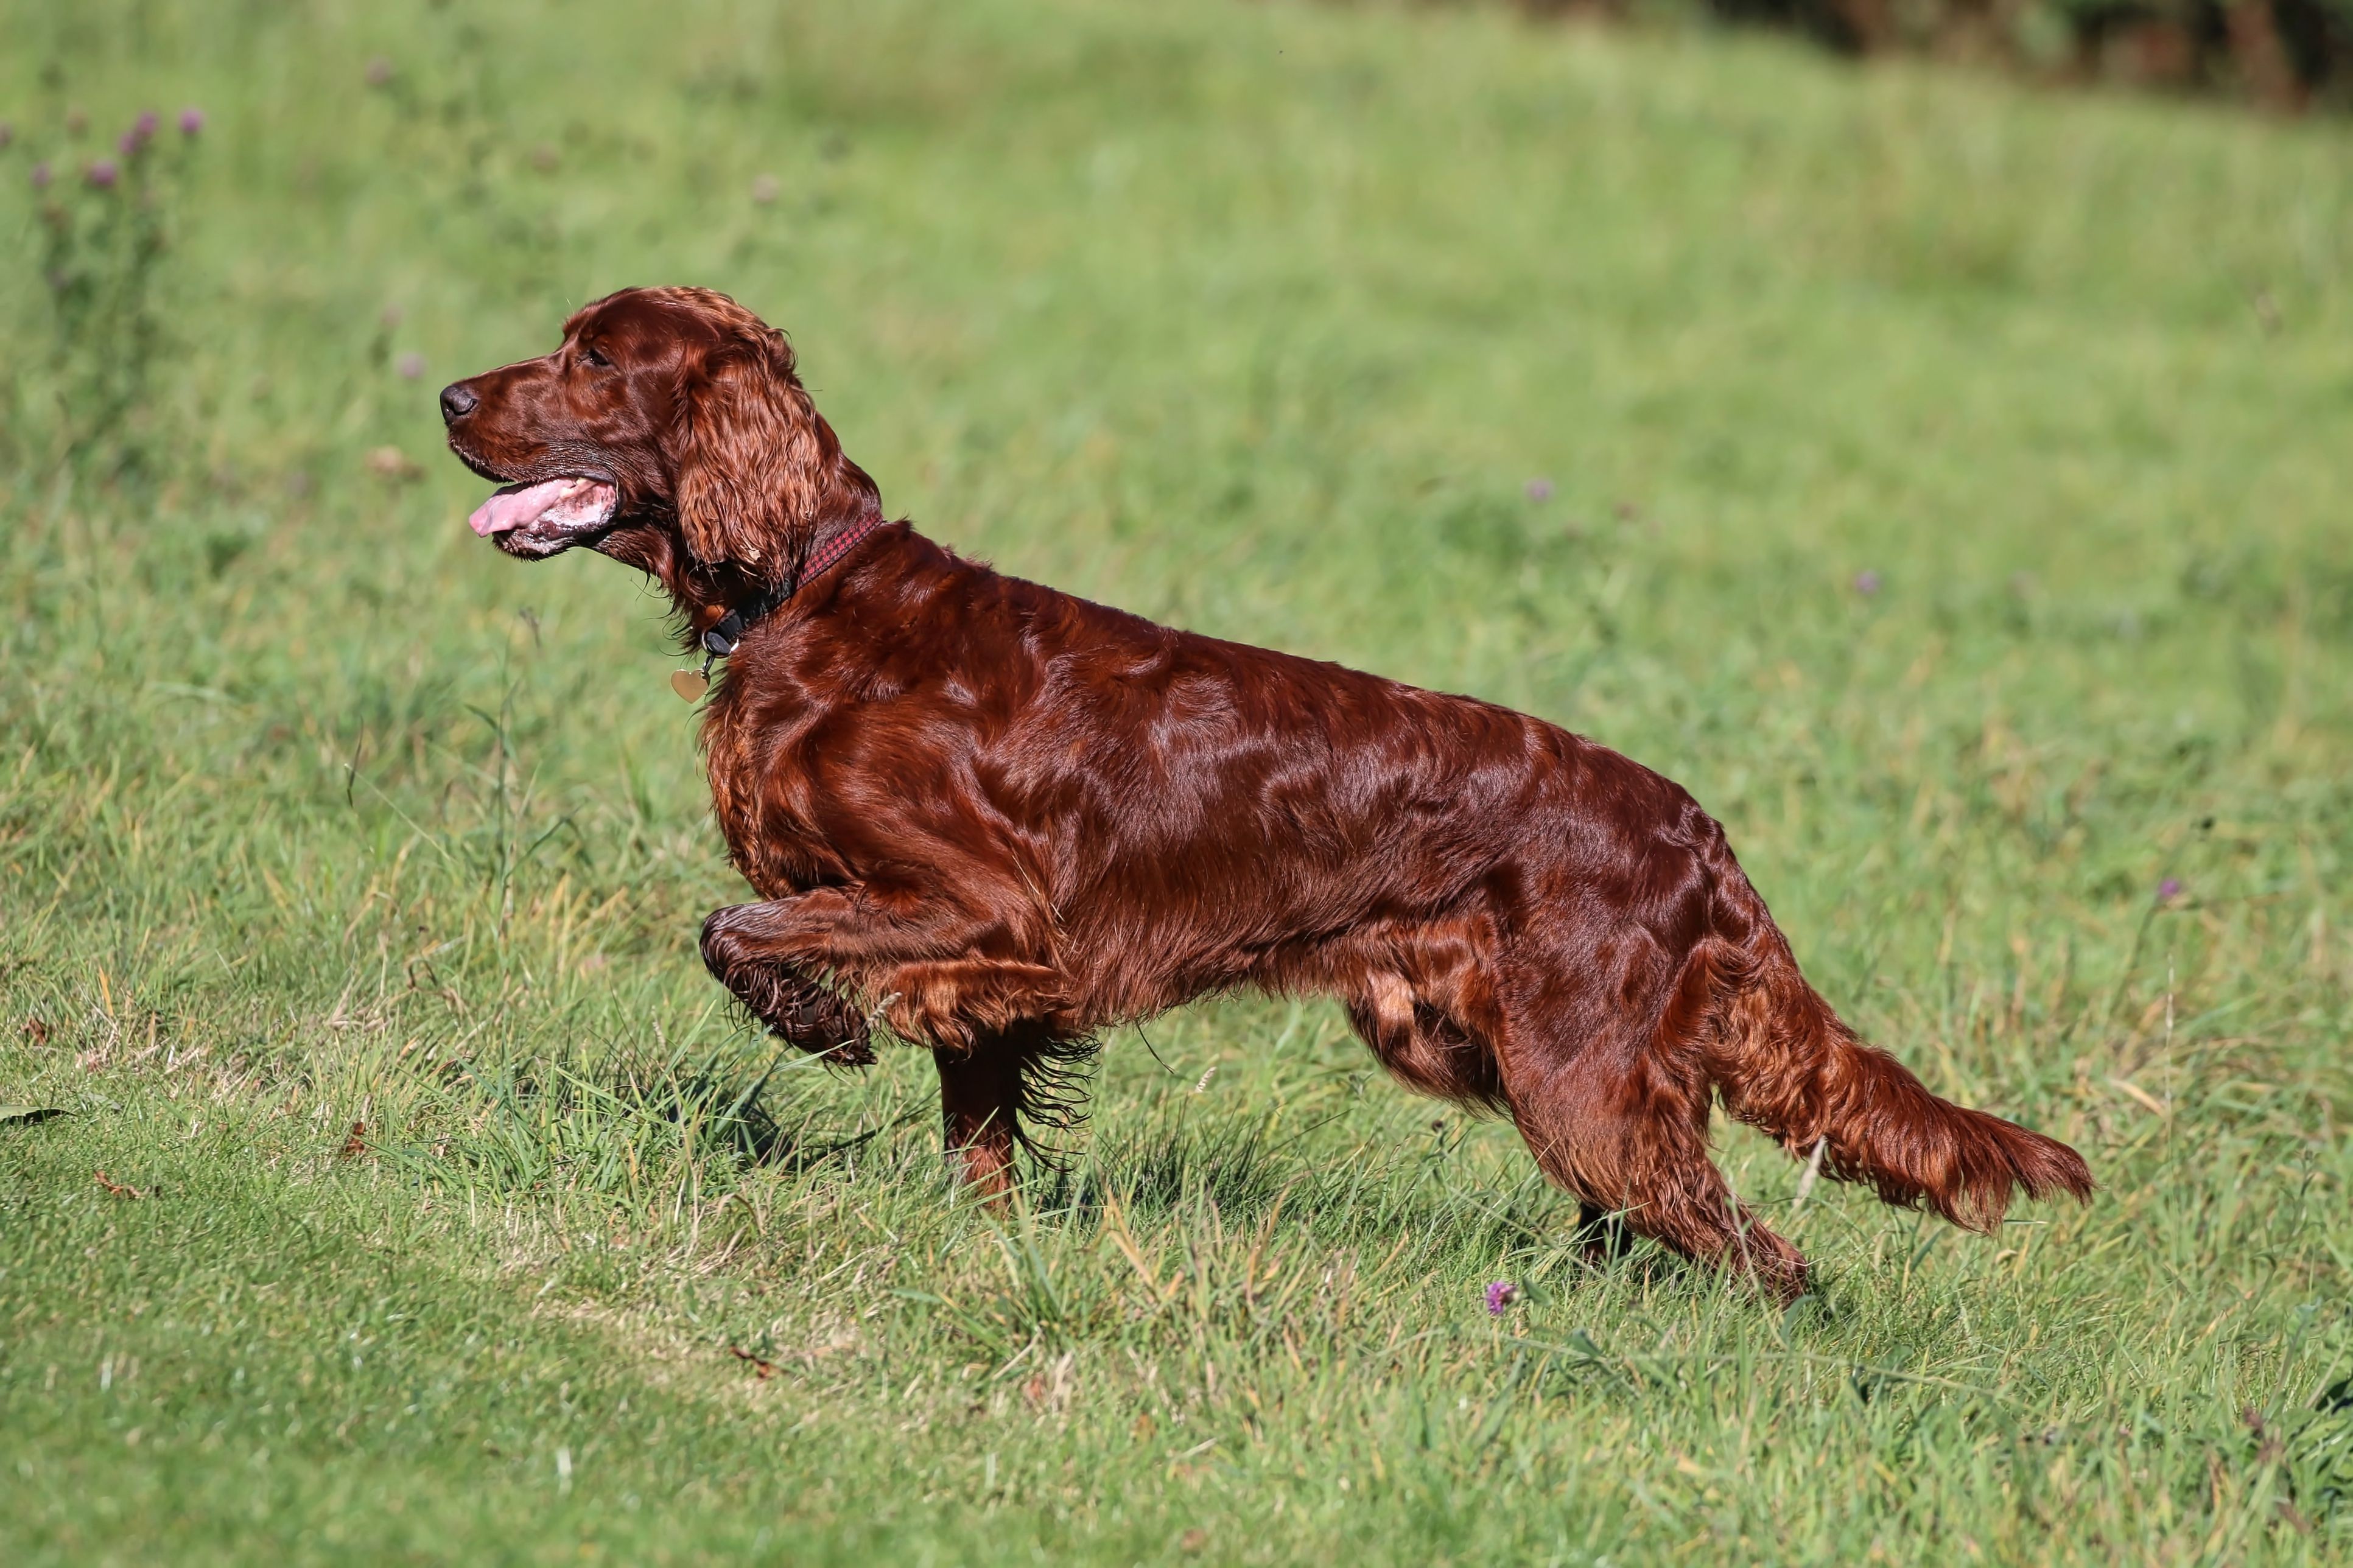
(1779, 1268)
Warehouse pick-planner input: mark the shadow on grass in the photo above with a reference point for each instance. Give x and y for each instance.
(1243, 1175)
(549, 1122)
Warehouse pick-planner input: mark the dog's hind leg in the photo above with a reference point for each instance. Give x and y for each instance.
(1619, 1120)
(1423, 1046)
(1632, 1145)
(1422, 997)
(1616, 1112)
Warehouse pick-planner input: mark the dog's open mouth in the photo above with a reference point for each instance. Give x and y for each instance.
(544, 518)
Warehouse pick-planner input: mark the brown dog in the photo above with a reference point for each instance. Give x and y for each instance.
(1001, 818)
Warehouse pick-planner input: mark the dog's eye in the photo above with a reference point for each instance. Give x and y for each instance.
(592, 357)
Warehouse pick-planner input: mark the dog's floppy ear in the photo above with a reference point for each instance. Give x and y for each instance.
(751, 465)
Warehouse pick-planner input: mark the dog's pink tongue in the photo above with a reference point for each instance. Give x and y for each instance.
(511, 506)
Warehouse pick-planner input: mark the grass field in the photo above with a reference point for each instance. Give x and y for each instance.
(1945, 482)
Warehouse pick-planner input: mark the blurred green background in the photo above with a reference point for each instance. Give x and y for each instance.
(2283, 55)
(1943, 479)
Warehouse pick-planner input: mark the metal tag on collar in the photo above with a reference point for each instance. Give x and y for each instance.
(717, 643)
(691, 684)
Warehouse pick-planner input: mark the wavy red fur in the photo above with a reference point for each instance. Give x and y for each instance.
(1000, 818)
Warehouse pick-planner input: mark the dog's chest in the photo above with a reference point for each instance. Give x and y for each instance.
(763, 806)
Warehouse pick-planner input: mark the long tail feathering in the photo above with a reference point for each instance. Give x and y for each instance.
(1788, 1066)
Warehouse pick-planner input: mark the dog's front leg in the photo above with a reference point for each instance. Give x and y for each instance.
(940, 972)
(800, 1001)
(943, 974)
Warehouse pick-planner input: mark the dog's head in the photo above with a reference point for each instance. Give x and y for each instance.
(668, 423)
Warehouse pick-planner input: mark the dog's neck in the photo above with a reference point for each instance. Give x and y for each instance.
(719, 640)
(724, 599)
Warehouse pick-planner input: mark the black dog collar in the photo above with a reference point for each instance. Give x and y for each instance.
(722, 638)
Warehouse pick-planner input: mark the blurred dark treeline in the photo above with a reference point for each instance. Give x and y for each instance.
(2285, 55)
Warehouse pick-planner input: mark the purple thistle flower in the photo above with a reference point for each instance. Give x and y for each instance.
(104, 173)
(191, 120)
(41, 176)
(1539, 490)
(412, 365)
(2169, 890)
(128, 145)
(1501, 1294)
(1866, 583)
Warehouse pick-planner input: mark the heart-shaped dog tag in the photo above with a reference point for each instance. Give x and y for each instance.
(689, 684)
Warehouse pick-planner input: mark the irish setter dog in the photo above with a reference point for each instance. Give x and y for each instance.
(1000, 819)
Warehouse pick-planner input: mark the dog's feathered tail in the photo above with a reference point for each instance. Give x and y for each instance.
(1785, 1063)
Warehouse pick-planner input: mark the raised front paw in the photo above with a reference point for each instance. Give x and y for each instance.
(795, 1006)
(814, 1017)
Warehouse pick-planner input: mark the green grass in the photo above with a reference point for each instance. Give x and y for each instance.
(315, 812)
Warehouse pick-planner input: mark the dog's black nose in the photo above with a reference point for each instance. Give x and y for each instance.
(457, 400)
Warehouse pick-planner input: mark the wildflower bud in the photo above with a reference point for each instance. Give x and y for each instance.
(76, 121)
(143, 128)
(1539, 490)
(764, 189)
(7, 133)
(40, 176)
(1866, 583)
(412, 365)
(191, 120)
(379, 71)
(1500, 1295)
(104, 173)
(2169, 890)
